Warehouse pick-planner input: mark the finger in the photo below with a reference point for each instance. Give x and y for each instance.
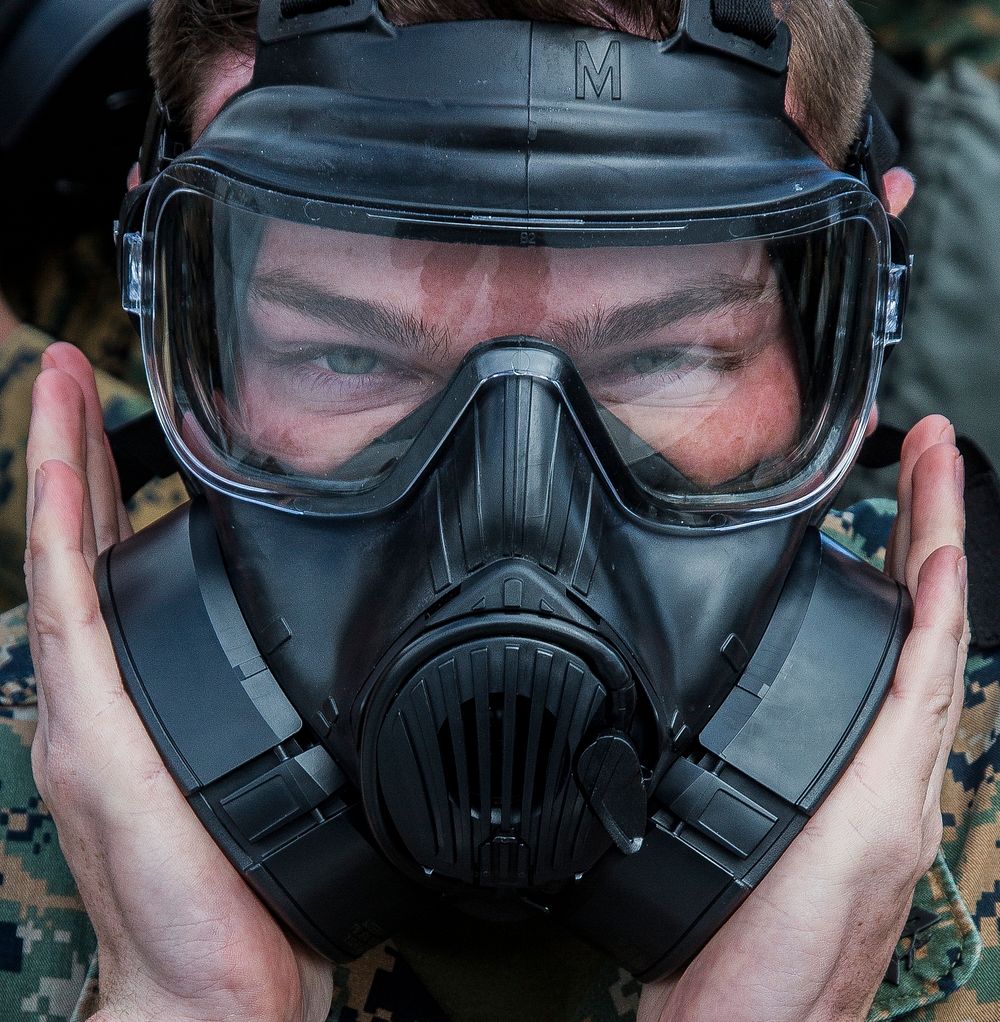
(105, 497)
(91, 726)
(937, 510)
(75, 665)
(929, 431)
(58, 432)
(957, 701)
(900, 754)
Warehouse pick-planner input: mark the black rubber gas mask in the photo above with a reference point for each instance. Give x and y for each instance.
(509, 385)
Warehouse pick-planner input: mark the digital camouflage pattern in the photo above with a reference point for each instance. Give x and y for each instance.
(46, 942)
(930, 35)
(48, 972)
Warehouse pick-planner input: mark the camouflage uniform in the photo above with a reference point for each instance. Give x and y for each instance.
(47, 966)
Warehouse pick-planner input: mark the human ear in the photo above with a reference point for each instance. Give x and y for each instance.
(899, 187)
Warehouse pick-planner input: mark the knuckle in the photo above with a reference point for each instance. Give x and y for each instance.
(939, 695)
(903, 851)
(36, 547)
(53, 621)
(59, 778)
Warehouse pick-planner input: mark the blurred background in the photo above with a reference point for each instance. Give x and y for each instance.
(74, 94)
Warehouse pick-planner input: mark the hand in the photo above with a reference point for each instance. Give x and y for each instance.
(180, 936)
(812, 943)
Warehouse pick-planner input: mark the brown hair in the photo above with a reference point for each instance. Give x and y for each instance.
(829, 74)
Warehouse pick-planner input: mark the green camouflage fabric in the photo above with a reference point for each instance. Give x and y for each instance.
(48, 969)
(929, 35)
(46, 942)
(64, 282)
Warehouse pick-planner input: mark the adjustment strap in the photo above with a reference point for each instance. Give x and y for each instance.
(883, 447)
(287, 19)
(885, 143)
(982, 529)
(293, 8)
(751, 19)
(141, 454)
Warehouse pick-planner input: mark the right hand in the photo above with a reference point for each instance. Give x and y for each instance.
(180, 935)
(812, 941)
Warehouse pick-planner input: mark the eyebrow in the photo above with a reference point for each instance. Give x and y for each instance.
(592, 332)
(403, 329)
(621, 325)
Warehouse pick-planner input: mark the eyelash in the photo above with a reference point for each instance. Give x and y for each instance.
(320, 382)
(345, 387)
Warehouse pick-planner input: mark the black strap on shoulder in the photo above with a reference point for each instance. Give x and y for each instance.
(885, 143)
(141, 453)
(982, 526)
(883, 447)
(982, 544)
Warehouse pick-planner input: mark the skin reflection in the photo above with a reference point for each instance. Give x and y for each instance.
(346, 334)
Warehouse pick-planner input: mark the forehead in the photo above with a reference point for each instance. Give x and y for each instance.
(381, 267)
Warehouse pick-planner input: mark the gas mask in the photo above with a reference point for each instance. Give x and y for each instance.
(511, 367)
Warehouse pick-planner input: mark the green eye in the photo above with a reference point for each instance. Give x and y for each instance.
(352, 361)
(645, 363)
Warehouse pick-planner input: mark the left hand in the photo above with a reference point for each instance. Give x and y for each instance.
(812, 942)
(179, 933)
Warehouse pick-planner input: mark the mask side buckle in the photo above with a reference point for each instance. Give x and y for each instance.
(900, 274)
(699, 28)
(287, 19)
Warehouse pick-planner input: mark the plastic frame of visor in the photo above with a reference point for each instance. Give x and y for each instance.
(808, 489)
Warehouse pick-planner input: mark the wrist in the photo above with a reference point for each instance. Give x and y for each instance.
(136, 1006)
(144, 1013)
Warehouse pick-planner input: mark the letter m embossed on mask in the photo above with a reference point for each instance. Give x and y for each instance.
(610, 71)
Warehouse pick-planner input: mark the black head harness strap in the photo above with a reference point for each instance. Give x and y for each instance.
(751, 19)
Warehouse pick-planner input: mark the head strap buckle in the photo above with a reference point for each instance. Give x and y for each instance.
(287, 19)
(697, 28)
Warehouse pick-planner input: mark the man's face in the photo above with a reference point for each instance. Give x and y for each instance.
(347, 334)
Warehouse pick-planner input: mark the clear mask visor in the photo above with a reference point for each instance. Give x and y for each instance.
(732, 363)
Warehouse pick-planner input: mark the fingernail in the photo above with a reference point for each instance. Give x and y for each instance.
(960, 476)
(947, 434)
(39, 486)
(48, 362)
(963, 572)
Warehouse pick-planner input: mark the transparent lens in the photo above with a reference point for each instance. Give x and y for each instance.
(296, 353)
